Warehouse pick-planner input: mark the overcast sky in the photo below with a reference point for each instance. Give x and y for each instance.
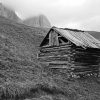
(81, 14)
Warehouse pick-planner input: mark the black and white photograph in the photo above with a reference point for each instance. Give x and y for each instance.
(49, 49)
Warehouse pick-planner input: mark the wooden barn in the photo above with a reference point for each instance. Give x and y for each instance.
(75, 50)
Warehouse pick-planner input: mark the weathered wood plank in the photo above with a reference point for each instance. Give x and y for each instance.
(77, 59)
(53, 39)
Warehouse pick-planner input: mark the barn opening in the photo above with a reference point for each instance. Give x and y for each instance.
(62, 40)
(45, 42)
(54, 39)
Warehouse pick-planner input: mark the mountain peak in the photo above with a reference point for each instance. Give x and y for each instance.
(35, 21)
(38, 21)
(8, 13)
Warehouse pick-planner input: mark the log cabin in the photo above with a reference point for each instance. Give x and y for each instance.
(74, 50)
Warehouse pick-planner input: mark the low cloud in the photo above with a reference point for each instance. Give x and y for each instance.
(91, 24)
(72, 13)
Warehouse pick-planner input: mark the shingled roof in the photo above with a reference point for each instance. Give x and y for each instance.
(78, 37)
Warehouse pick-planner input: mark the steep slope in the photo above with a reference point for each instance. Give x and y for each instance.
(23, 37)
(18, 63)
(7, 13)
(38, 21)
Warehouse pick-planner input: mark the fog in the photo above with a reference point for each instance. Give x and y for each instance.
(81, 14)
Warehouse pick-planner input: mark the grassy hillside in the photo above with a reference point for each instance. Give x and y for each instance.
(95, 34)
(22, 77)
(18, 64)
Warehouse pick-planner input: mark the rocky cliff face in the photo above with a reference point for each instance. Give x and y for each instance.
(38, 21)
(7, 13)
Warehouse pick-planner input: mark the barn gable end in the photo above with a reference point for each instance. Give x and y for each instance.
(57, 37)
(54, 38)
(76, 51)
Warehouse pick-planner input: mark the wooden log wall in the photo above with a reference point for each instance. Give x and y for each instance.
(71, 57)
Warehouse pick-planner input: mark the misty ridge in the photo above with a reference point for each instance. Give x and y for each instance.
(35, 21)
(77, 14)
